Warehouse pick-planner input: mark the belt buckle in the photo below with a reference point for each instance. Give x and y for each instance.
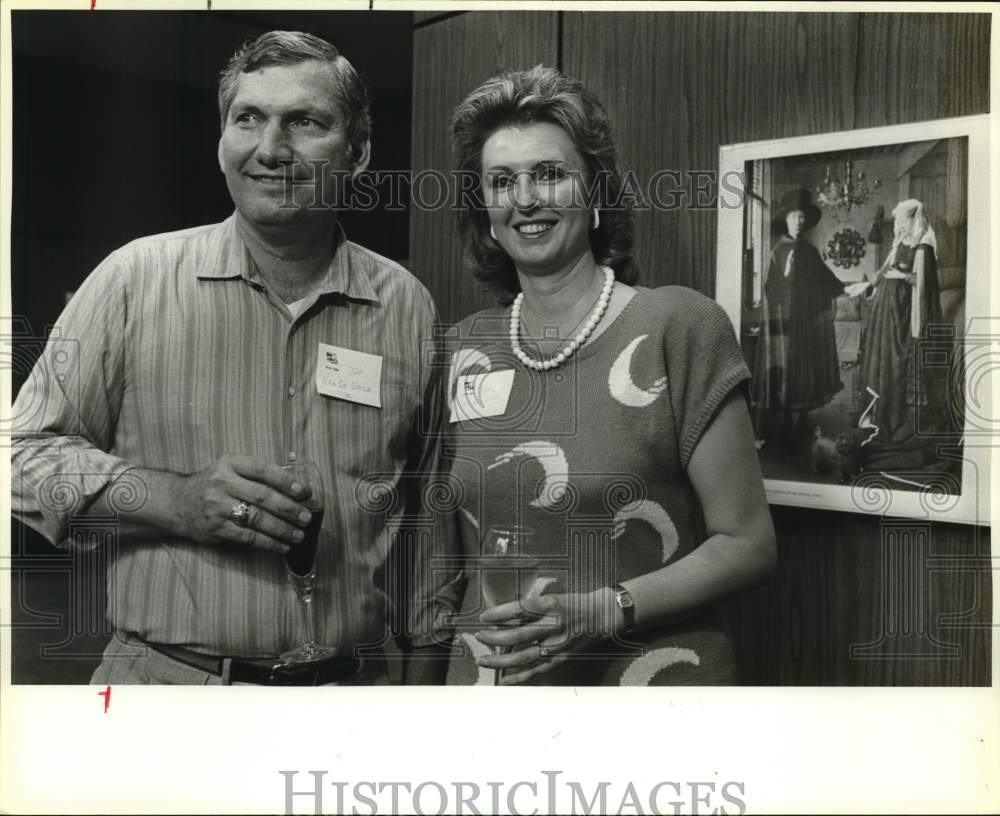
(277, 667)
(281, 673)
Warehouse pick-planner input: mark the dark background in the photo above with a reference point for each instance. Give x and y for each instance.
(115, 137)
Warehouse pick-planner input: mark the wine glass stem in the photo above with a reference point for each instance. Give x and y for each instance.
(307, 620)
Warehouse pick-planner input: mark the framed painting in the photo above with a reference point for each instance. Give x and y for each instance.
(855, 267)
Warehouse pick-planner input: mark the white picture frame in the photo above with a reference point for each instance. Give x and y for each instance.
(946, 477)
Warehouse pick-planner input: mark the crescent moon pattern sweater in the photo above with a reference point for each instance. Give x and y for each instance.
(585, 475)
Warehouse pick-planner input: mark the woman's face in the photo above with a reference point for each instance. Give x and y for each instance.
(904, 221)
(795, 220)
(534, 189)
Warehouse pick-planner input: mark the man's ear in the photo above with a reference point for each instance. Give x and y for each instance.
(218, 154)
(361, 162)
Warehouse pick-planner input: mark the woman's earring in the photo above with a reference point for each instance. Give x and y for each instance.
(493, 234)
(597, 219)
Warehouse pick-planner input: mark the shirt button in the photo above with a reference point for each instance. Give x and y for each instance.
(292, 456)
(291, 390)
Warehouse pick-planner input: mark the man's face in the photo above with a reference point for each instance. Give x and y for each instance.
(284, 145)
(795, 221)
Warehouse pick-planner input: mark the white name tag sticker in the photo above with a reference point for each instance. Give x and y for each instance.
(482, 395)
(348, 374)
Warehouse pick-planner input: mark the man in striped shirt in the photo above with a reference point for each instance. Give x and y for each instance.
(192, 365)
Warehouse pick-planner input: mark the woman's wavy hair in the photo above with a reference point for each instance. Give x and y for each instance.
(520, 98)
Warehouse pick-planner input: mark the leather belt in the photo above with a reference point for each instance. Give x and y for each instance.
(265, 672)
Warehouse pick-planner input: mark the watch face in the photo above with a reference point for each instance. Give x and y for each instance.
(624, 599)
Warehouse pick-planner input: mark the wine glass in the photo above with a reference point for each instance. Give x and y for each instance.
(504, 569)
(300, 562)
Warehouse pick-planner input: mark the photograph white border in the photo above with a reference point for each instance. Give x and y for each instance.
(187, 749)
(972, 505)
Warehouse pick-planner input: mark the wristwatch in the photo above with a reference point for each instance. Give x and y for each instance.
(624, 600)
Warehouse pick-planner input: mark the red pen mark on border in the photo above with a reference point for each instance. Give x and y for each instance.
(106, 694)
(93, 4)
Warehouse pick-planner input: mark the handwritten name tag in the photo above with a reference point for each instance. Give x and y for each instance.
(348, 374)
(482, 395)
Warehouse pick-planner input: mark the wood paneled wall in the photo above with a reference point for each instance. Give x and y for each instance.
(856, 599)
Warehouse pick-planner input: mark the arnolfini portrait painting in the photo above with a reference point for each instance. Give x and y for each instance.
(856, 304)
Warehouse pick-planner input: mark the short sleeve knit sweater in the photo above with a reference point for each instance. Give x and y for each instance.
(589, 460)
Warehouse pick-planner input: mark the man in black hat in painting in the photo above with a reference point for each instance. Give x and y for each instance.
(797, 368)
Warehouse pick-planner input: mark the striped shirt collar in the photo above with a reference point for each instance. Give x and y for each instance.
(235, 261)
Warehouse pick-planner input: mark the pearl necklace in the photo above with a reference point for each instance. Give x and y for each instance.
(560, 357)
